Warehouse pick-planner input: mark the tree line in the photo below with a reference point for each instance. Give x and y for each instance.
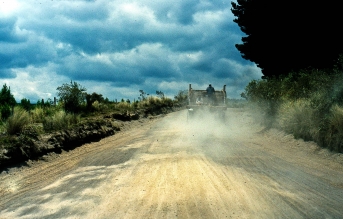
(73, 98)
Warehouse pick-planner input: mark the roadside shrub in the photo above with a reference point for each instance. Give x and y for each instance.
(59, 121)
(303, 84)
(123, 106)
(92, 98)
(334, 135)
(307, 104)
(299, 118)
(37, 115)
(2, 127)
(154, 102)
(167, 102)
(98, 106)
(266, 96)
(322, 102)
(17, 121)
(51, 110)
(143, 104)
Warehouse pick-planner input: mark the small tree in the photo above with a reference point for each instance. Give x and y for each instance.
(44, 103)
(106, 100)
(7, 102)
(91, 98)
(72, 96)
(25, 103)
(142, 95)
(181, 97)
(160, 94)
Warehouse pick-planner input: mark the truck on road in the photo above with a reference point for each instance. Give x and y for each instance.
(201, 101)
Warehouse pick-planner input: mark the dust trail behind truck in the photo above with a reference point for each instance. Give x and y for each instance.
(199, 101)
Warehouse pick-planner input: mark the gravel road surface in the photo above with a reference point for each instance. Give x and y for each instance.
(173, 168)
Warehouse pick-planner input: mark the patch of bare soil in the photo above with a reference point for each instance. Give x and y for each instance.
(173, 168)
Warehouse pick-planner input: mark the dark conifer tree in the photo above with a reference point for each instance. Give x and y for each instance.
(284, 36)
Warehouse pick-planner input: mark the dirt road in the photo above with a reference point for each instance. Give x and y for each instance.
(168, 168)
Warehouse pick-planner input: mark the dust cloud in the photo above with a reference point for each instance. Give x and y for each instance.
(209, 124)
(205, 132)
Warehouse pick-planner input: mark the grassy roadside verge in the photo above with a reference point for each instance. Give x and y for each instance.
(30, 135)
(307, 104)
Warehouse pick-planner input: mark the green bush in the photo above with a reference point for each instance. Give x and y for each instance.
(2, 127)
(154, 102)
(37, 115)
(303, 84)
(299, 119)
(307, 104)
(334, 136)
(98, 106)
(17, 121)
(266, 96)
(59, 121)
(167, 102)
(123, 106)
(51, 110)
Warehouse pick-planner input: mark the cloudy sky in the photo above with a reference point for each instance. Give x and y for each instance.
(118, 47)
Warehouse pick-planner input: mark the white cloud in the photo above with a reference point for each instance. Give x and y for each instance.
(8, 7)
(34, 83)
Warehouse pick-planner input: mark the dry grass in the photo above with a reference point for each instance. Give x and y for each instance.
(99, 106)
(37, 115)
(299, 118)
(335, 131)
(17, 121)
(123, 106)
(60, 120)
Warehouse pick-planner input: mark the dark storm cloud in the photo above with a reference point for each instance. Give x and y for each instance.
(131, 67)
(6, 30)
(81, 69)
(31, 51)
(123, 43)
(6, 73)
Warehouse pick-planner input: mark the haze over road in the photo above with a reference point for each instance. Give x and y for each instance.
(171, 168)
